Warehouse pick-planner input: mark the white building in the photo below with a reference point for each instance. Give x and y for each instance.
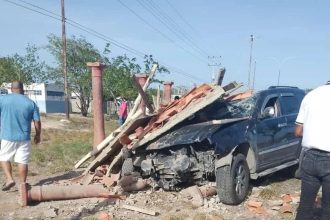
(49, 97)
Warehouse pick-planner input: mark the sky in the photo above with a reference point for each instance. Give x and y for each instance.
(291, 37)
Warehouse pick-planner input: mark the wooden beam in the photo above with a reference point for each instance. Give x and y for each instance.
(138, 99)
(137, 209)
(114, 145)
(142, 94)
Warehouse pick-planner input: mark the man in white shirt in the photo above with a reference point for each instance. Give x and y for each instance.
(313, 125)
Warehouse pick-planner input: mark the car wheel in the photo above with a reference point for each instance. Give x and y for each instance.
(233, 181)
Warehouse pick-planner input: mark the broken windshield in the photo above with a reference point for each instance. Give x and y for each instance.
(224, 109)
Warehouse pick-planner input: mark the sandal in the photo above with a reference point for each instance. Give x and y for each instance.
(6, 187)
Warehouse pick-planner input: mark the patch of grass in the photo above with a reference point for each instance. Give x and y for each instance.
(173, 217)
(268, 193)
(201, 216)
(62, 147)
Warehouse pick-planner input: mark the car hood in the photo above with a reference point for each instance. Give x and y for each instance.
(190, 134)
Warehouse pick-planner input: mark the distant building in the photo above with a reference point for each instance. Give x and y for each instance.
(49, 97)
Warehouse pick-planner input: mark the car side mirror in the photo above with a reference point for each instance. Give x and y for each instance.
(268, 112)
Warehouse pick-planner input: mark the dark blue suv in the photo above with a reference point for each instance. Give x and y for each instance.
(230, 141)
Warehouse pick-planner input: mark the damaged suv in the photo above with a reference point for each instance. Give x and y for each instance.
(230, 141)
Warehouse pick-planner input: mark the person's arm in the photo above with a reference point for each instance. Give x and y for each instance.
(37, 126)
(298, 130)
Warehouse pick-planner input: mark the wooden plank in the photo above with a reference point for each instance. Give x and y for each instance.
(138, 99)
(99, 147)
(114, 162)
(154, 101)
(114, 145)
(158, 97)
(142, 94)
(107, 140)
(137, 209)
(191, 109)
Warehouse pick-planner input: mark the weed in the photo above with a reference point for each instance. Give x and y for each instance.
(268, 193)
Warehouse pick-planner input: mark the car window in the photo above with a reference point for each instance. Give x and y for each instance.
(242, 108)
(273, 102)
(290, 104)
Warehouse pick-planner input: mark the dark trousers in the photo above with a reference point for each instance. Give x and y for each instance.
(315, 172)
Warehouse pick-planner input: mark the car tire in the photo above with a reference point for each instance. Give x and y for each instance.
(233, 181)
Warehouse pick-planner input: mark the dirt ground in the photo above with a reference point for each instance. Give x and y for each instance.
(269, 191)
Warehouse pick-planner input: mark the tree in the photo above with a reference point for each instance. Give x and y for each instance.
(119, 71)
(79, 52)
(33, 69)
(149, 62)
(9, 70)
(117, 77)
(27, 68)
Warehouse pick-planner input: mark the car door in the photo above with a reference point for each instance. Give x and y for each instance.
(269, 133)
(290, 104)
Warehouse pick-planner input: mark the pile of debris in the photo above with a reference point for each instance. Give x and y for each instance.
(139, 129)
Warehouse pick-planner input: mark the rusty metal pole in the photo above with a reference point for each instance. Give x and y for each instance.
(97, 89)
(167, 91)
(142, 79)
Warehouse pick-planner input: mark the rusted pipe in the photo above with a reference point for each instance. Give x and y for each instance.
(53, 192)
(142, 79)
(167, 92)
(97, 89)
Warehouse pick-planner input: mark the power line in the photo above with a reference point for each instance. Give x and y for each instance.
(182, 18)
(158, 31)
(179, 29)
(83, 28)
(167, 21)
(59, 19)
(100, 36)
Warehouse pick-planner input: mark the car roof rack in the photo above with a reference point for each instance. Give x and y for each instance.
(277, 87)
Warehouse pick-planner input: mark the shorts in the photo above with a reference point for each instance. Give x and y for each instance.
(18, 150)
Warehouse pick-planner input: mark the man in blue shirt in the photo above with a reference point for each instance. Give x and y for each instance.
(16, 114)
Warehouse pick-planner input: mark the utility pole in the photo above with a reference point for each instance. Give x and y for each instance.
(66, 95)
(213, 62)
(250, 63)
(278, 76)
(254, 74)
